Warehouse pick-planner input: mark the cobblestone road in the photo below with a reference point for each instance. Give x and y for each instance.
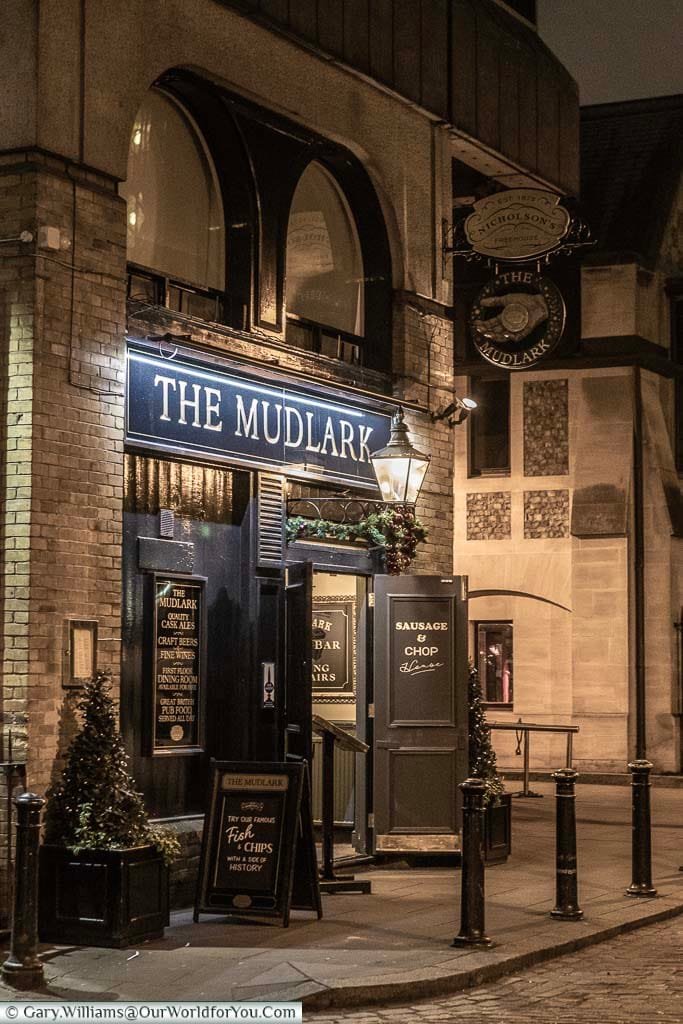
(633, 978)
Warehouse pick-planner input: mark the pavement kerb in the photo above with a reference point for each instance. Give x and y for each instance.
(430, 983)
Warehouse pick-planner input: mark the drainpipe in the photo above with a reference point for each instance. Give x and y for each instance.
(639, 565)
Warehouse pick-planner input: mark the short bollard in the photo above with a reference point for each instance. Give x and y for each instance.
(641, 844)
(472, 931)
(22, 969)
(566, 884)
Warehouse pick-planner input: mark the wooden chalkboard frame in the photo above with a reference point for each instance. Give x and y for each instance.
(150, 662)
(295, 875)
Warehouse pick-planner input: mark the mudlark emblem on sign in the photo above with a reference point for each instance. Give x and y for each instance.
(517, 319)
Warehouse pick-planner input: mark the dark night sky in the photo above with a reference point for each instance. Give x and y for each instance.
(617, 49)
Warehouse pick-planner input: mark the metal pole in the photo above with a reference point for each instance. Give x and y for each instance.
(566, 882)
(328, 807)
(472, 930)
(641, 845)
(525, 784)
(639, 567)
(23, 969)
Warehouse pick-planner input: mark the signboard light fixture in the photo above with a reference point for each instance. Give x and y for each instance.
(456, 412)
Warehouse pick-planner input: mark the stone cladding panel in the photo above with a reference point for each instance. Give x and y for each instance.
(546, 514)
(489, 516)
(546, 428)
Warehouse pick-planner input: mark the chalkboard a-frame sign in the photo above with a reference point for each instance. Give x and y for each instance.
(258, 852)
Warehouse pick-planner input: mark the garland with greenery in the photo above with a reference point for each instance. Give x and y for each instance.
(482, 760)
(397, 531)
(94, 806)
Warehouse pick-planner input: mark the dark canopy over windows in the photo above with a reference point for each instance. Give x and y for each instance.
(238, 215)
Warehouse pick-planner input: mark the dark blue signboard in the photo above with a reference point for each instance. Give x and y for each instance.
(199, 408)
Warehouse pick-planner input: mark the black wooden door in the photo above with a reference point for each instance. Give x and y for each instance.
(298, 660)
(211, 534)
(420, 679)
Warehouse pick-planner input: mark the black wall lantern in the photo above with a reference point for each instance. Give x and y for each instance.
(399, 468)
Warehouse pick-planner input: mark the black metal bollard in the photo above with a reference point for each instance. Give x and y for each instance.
(641, 843)
(22, 969)
(472, 930)
(566, 880)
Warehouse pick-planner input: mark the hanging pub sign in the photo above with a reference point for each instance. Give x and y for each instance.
(258, 852)
(200, 408)
(334, 650)
(421, 652)
(178, 636)
(517, 319)
(517, 224)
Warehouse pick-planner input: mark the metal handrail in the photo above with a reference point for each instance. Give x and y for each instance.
(522, 730)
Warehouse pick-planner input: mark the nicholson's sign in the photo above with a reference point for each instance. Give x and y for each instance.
(200, 408)
(517, 224)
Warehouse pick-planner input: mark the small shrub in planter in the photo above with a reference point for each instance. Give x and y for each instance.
(103, 867)
(483, 765)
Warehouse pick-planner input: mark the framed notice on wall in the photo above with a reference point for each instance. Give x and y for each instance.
(178, 637)
(334, 650)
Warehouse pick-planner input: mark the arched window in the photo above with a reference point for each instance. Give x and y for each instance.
(175, 213)
(325, 296)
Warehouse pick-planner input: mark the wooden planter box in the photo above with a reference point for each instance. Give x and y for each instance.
(111, 898)
(498, 830)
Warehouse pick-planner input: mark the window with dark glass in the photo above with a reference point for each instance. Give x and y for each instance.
(324, 270)
(489, 426)
(493, 641)
(175, 225)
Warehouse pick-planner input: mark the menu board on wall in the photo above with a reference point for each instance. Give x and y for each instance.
(334, 650)
(421, 651)
(177, 663)
(258, 852)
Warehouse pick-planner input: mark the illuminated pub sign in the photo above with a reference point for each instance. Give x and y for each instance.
(177, 404)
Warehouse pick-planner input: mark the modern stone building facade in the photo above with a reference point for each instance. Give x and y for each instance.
(391, 102)
(583, 570)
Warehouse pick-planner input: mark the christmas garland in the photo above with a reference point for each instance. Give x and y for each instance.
(397, 531)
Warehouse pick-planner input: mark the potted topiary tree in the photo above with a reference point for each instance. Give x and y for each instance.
(483, 765)
(103, 867)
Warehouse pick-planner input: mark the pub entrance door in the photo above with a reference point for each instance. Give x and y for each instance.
(420, 684)
(339, 687)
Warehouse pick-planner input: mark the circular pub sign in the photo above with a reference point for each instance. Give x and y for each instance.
(517, 319)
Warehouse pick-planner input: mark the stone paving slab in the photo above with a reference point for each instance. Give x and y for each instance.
(396, 943)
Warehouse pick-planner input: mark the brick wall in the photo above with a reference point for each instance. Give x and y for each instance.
(423, 373)
(61, 517)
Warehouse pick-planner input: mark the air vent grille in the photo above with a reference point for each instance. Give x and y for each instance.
(166, 522)
(271, 519)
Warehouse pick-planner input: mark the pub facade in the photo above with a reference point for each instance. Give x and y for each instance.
(225, 242)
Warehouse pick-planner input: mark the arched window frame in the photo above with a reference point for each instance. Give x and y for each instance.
(258, 158)
(149, 284)
(321, 335)
(373, 348)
